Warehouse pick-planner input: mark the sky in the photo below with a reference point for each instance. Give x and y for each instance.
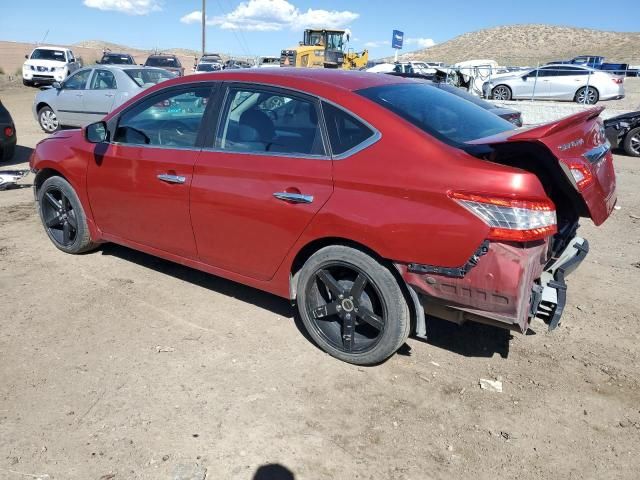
(264, 27)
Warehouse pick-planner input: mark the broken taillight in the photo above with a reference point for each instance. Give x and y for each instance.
(509, 219)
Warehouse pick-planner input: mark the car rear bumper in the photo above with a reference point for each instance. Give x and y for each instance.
(509, 286)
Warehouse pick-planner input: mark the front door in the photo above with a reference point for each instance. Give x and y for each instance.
(99, 97)
(69, 100)
(139, 183)
(265, 177)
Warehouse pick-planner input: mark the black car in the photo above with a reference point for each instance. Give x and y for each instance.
(513, 116)
(166, 62)
(623, 132)
(117, 59)
(7, 135)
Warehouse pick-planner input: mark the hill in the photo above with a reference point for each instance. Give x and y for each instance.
(530, 44)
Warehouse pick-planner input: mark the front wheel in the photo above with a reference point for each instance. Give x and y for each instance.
(63, 217)
(631, 142)
(352, 306)
(501, 92)
(587, 96)
(48, 120)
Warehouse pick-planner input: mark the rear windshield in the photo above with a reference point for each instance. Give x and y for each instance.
(45, 54)
(447, 117)
(145, 77)
(162, 62)
(117, 60)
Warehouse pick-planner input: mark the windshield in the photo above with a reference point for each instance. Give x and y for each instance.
(117, 60)
(45, 54)
(334, 41)
(145, 77)
(447, 117)
(162, 62)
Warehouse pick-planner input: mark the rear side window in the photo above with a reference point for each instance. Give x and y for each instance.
(345, 131)
(447, 117)
(103, 80)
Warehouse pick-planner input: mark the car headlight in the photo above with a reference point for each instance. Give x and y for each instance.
(32, 67)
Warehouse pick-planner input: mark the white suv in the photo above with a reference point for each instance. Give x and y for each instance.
(48, 65)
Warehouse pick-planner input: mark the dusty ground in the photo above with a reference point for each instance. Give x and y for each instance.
(118, 365)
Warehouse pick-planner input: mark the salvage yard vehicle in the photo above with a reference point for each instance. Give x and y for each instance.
(324, 48)
(169, 63)
(8, 136)
(623, 131)
(46, 65)
(110, 58)
(557, 82)
(91, 93)
(366, 199)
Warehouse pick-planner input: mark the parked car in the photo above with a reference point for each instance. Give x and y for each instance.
(45, 65)
(557, 82)
(236, 64)
(167, 62)
(8, 136)
(111, 58)
(211, 58)
(354, 195)
(91, 93)
(624, 131)
(509, 114)
(208, 67)
(597, 62)
(268, 62)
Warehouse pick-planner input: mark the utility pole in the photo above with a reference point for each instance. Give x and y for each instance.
(204, 26)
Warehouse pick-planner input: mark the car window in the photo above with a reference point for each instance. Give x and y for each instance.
(569, 71)
(146, 77)
(264, 121)
(163, 62)
(170, 119)
(447, 117)
(345, 131)
(103, 80)
(77, 81)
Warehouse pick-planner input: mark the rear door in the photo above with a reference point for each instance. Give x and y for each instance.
(265, 175)
(99, 97)
(567, 82)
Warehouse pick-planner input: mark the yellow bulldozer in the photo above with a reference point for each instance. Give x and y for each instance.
(324, 49)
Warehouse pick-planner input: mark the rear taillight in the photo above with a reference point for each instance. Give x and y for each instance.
(581, 174)
(8, 132)
(618, 80)
(511, 220)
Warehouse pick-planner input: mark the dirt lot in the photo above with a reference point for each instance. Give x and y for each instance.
(117, 365)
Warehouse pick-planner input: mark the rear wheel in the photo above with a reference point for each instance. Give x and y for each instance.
(63, 217)
(631, 142)
(48, 119)
(352, 305)
(501, 92)
(588, 96)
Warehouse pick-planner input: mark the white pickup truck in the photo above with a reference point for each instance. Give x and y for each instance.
(46, 65)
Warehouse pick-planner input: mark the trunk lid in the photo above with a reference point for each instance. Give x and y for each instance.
(580, 145)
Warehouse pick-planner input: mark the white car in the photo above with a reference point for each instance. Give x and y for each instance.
(557, 82)
(46, 65)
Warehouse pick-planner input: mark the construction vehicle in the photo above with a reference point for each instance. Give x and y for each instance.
(324, 49)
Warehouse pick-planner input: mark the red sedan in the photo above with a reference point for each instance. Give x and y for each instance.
(366, 199)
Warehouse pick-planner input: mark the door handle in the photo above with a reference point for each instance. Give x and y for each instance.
(109, 94)
(78, 94)
(165, 177)
(293, 197)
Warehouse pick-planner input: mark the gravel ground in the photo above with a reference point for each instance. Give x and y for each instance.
(118, 365)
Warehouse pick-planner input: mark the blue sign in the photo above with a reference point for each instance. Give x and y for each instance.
(396, 41)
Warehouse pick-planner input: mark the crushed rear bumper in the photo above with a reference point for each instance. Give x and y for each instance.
(508, 286)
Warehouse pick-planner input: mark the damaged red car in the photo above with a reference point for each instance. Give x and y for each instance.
(368, 200)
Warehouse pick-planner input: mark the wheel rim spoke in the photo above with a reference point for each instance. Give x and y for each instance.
(54, 221)
(66, 233)
(51, 199)
(327, 310)
(71, 218)
(371, 318)
(358, 287)
(327, 279)
(348, 333)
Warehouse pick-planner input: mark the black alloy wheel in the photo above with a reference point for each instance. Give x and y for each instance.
(59, 217)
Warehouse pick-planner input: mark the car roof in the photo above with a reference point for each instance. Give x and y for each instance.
(162, 55)
(342, 79)
(573, 65)
(50, 47)
(116, 54)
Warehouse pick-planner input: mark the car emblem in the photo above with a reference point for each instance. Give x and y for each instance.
(573, 144)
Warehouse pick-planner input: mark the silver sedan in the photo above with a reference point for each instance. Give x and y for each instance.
(90, 93)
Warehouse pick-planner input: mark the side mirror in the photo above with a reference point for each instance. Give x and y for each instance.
(26, 56)
(57, 85)
(525, 77)
(96, 132)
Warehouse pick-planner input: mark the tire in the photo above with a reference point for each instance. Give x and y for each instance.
(352, 306)
(592, 96)
(501, 92)
(631, 143)
(63, 217)
(48, 120)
